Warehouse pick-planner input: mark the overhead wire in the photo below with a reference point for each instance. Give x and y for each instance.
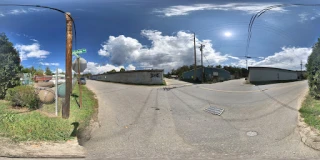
(56, 9)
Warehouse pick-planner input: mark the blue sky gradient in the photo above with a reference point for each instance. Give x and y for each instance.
(155, 33)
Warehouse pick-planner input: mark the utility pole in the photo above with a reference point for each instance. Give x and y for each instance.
(195, 57)
(68, 74)
(201, 49)
(301, 70)
(246, 62)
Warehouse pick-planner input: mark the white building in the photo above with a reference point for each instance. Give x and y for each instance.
(268, 74)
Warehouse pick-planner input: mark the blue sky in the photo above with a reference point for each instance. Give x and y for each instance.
(143, 34)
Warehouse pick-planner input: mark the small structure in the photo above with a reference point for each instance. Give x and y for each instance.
(174, 76)
(210, 74)
(42, 78)
(271, 75)
(148, 77)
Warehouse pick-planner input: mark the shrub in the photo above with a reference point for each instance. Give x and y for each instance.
(24, 96)
(313, 70)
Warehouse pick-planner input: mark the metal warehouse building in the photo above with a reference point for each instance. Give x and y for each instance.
(148, 77)
(210, 74)
(268, 74)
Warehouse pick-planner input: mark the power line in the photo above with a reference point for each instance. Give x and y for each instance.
(258, 14)
(56, 9)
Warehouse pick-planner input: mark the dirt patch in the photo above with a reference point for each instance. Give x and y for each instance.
(84, 135)
(69, 149)
(309, 135)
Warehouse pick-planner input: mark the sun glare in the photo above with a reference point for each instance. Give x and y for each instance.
(227, 34)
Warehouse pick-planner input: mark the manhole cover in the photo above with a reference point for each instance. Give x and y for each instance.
(252, 133)
(214, 110)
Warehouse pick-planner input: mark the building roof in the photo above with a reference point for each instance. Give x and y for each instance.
(271, 68)
(153, 70)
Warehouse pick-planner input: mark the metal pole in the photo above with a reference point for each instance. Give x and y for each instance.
(80, 93)
(201, 49)
(57, 92)
(68, 75)
(195, 56)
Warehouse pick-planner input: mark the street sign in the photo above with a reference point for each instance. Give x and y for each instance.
(78, 51)
(83, 65)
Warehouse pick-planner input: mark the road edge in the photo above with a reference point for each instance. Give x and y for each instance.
(309, 135)
(68, 149)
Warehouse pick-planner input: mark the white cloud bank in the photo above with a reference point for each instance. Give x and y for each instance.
(287, 58)
(250, 8)
(49, 64)
(169, 52)
(31, 51)
(95, 68)
(166, 52)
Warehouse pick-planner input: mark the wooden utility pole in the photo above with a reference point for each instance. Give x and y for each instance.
(68, 75)
(195, 57)
(202, 73)
(79, 83)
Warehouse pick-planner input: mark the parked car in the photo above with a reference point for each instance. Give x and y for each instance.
(82, 80)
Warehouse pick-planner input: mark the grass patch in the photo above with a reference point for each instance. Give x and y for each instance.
(310, 111)
(36, 125)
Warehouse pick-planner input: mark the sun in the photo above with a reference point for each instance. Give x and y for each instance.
(227, 34)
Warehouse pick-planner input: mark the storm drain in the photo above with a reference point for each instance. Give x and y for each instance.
(214, 110)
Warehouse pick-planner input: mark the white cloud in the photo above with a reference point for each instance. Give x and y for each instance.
(34, 40)
(303, 17)
(31, 51)
(95, 68)
(59, 71)
(233, 57)
(17, 11)
(187, 9)
(287, 58)
(166, 52)
(20, 11)
(308, 16)
(49, 64)
(123, 49)
(130, 67)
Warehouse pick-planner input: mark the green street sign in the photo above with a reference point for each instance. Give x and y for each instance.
(79, 51)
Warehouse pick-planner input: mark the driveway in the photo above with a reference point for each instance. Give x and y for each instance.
(150, 122)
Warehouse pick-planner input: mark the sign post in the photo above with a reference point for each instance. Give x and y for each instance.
(77, 68)
(57, 92)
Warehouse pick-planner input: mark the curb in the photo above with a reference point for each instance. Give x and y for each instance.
(69, 149)
(309, 135)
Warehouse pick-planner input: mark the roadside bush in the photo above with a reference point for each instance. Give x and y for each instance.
(313, 70)
(24, 96)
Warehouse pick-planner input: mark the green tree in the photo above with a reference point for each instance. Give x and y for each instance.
(48, 71)
(219, 66)
(313, 70)
(122, 70)
(112, 71)
(9, 66)
(25, 70)
(39, 72)
(33, 71)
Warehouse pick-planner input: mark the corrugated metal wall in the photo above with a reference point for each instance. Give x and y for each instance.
(260, 74)
(210, 74)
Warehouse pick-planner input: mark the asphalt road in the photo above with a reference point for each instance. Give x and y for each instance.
(150, 122)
